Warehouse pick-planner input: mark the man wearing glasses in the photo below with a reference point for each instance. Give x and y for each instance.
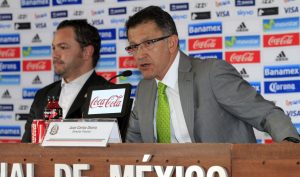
(183, 100)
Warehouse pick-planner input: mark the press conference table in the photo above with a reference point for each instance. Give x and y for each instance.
(239, 160)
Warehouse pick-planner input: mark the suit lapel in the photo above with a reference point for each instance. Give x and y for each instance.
(186, 92)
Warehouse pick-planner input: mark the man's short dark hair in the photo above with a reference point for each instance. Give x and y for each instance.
(86, 34)
(153, 13)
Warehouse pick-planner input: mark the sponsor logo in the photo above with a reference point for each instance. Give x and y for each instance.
(59, 14)
(245, 13)
(22, 16)
(281, 24)
(29, 93)
(10, 131)
(267, 11)
(108, 34)
(122, 33)
(133, 91)
(179, 17)
(5, 117)
(137, 9)
(293, 113)
(281, 71)
(36, 65)
(127, 62)
(40, 25)
(242, 57)
(10, 52)
(6, 95)
(290, 86)
(205, 28)
(65, 2)
(244, 73)
(10, 66)
(224, 13)
(220, 3)
(242, 28)
(292, 102)
(244, 2)
(34, 3)
(108, 49)
(242, 41)
(179, 6)
(6, 17)
(4, 4)
(209, 55)
(36, 39)
(281, 57)
(291, 10)
(37, 80)
(182, 44)
(200, 15)
(78, 13)
(107, 63)
(97, 12)
(23, 107)
(40, 15)
(9, 39)
(22, 26)
(6, 107)
(205, 43)
(36, 51)
(134, 78)
(200, 5)
(10, 79)
(256, 85)
(118, 20)
(96, 22)
(277, 40)
(19, 117)
(5, 26)
(267, 1)
(108, 75)
(117, 11)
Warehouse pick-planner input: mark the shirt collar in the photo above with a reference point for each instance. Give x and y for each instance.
(78, 81)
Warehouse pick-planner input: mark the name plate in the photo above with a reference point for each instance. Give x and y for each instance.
(86, 132)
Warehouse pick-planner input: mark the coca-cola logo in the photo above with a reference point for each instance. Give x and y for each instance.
(13, 52)
(205, 43)
(112, 101)
(127, 62)
(281, 40)
(39, 65)
(243, 57)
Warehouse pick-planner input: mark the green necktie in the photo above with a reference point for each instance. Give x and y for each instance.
(163, 115)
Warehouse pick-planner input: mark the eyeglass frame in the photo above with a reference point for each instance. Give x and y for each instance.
(152, 41)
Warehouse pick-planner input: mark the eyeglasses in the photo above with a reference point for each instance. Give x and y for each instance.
(148, 44)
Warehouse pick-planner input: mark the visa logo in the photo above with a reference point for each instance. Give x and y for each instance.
(29, 93)
(10, 66)
(290, 86)
(6, 17)
(179, 6)
(97, 22)
(242, 41)
(10, 79)
(107, 63)
(9, 39)
(36, 51)
(6, 107)
(117, 11)
(256, 86)
(223, 13)
(208, 55)
(281, 71)
(10, 131)
(59, 14)
(205, 28)
(281, 24)
(40, 25)
(108, 34)
(122, 33)
(108, 49)
(293, 113)
(65, 2)
(291, 10)
(34, 3)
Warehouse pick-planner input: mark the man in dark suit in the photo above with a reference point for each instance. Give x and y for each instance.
(182, 100)
(75, 52)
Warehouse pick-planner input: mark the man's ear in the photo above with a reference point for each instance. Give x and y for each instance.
(173, 43)
(88, 52)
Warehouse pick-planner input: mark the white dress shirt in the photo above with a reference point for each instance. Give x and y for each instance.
(69, 91)
(179, 131)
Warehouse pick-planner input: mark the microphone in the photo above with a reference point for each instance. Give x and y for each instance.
(126, 73)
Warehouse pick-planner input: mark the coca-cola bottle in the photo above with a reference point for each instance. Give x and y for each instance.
(56, 109)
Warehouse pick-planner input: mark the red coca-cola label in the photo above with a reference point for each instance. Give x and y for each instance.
(108, 75)
(112, 101)
(205, 43)
(127, 62)
(36, 65)
(277, 40)
(10, 52)
(242, 57)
